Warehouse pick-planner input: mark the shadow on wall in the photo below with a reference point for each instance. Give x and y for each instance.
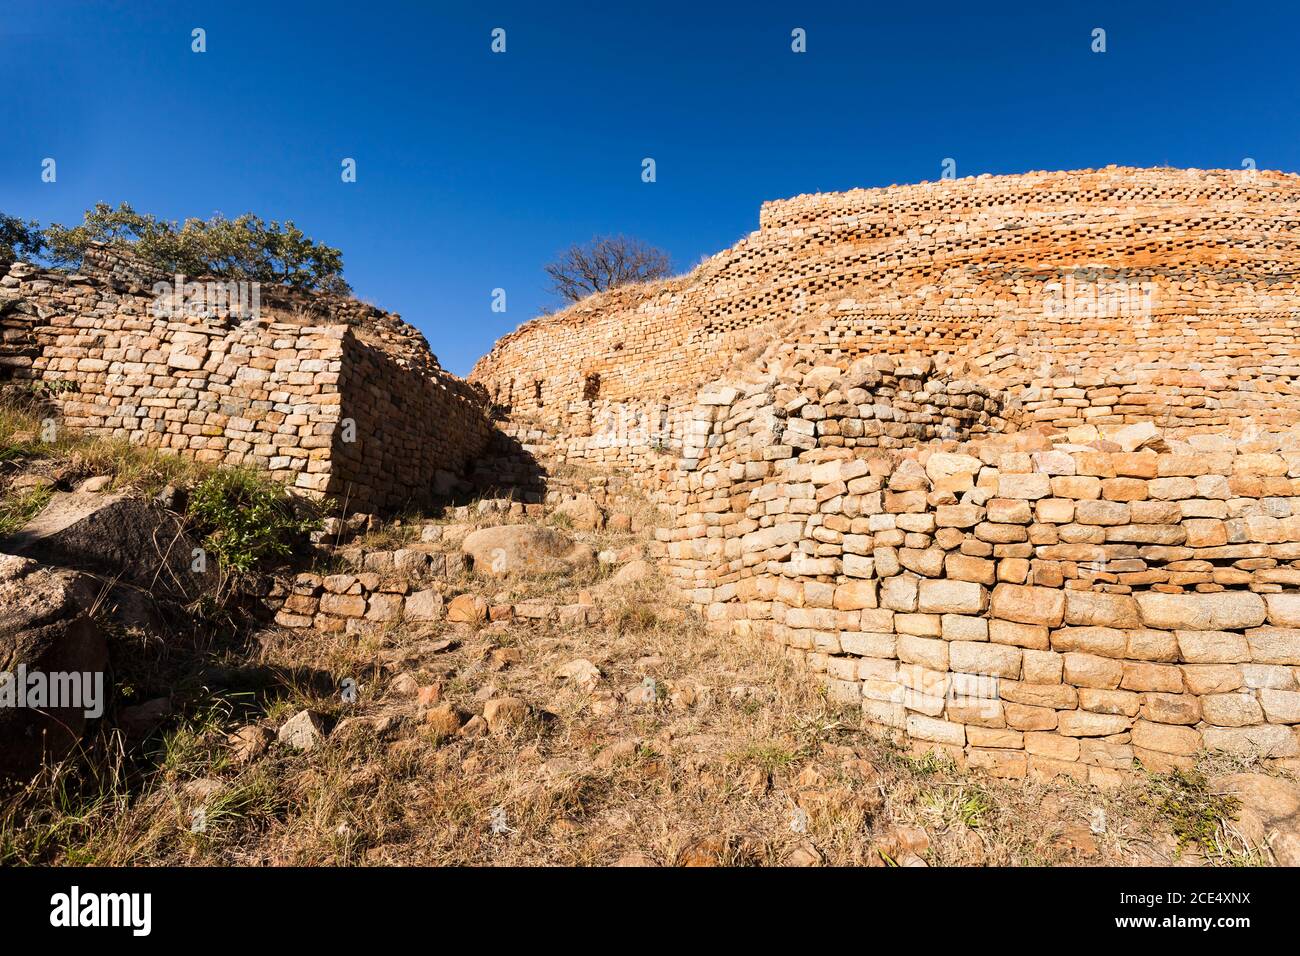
(506, 469)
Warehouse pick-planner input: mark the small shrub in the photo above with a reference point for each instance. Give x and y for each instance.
(248, 520)
(1196, 814)
(976, 808)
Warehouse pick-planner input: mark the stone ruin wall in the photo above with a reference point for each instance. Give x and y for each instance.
(1032, 607)
(1096, 560)
(273, 392)
(1105, 297)
(1011, 462)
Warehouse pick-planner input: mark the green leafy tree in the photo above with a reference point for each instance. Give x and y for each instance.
(19, 240)
(246, 247)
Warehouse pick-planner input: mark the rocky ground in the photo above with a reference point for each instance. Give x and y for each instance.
(551, 708)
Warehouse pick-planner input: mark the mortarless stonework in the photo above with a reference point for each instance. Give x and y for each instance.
(1171, 289)
(1012, 462)
(1035, 603)
(326, 394)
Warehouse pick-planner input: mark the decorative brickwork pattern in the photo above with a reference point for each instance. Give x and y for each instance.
(1174, 289)
(1012, 462)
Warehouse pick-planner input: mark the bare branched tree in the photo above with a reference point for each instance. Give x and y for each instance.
(604, 263)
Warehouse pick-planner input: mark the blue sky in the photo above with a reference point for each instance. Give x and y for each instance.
(475, 169)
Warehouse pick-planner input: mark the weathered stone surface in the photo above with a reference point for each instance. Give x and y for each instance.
(1268, 814)
(442, 720)
(1202, 612)
(1213, 647)
(632, 572)
(467, 609)
(951, 597)
(1283, 609)
(1274, 645)
(426, 605)
(1268, 740)
(114, 534)
(1090, 608)
(305, 730)
(46, 637)
(524, 549)
(855, 595)
(582, 513)
(504, 714)
(1280, 706)
(1028, 605)
(1166, 738)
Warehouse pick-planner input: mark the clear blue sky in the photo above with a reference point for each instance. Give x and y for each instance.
(474, 169)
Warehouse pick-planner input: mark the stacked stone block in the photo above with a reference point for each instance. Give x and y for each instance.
(1099, 297)
(1033, 603)
(350, 409)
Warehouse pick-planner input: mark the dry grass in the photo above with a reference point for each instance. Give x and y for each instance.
(690, 748)
(67, 456)
(733, 758)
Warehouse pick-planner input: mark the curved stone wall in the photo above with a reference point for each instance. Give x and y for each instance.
(1108, 296)
(1032, 605)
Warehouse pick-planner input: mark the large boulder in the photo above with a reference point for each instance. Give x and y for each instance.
(1269, 812)
(115, 535)
(524, 549)
(53, 663)
(582, 513)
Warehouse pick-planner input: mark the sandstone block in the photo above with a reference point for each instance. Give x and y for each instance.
(1029, 605)
(1212, 647)
(938, 731)
(1280, 706)
(1029, 487)
(1092, 608)
(1018, 635)
(855, 595)
(1266, 740)
(1202, 612)
(1087, 670)
(1171, 708)
(1231, 710)
(951, 597)
(1283, 609)
(1166, 738)
(1274, 645)
(984, 658)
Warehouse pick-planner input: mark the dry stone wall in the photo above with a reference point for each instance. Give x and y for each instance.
(1105, 297)
(1012, 462)
(1034, 606)
(324, 393)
